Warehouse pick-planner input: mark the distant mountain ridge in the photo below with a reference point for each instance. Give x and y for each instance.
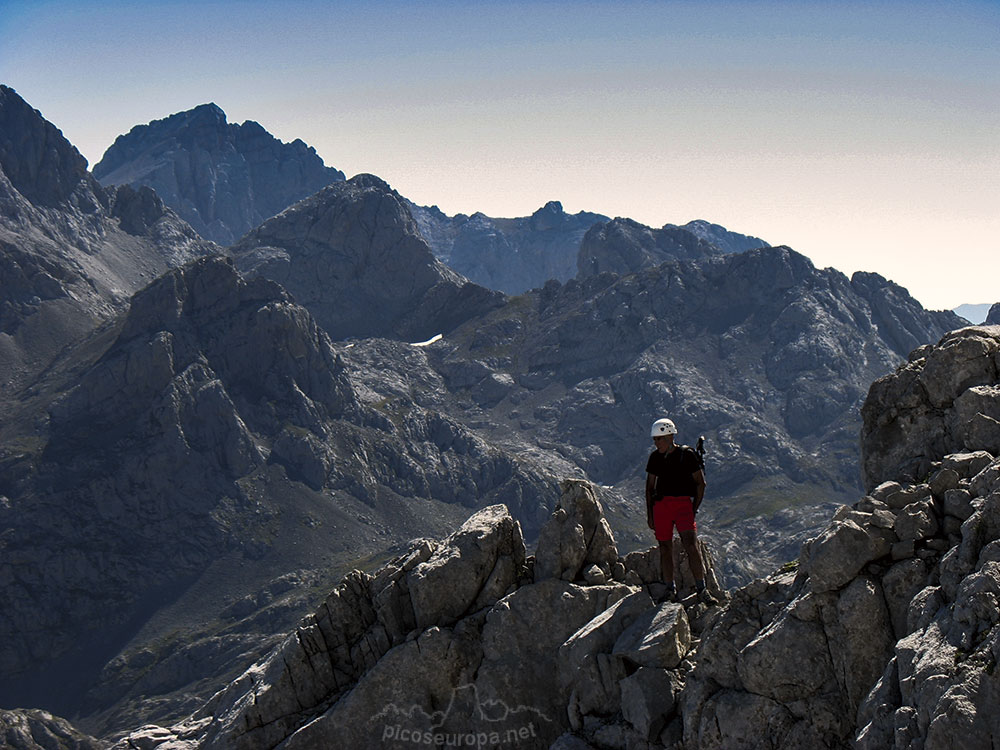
(227, 179)
(975, 314)
(224, 179)
(515, 255)
(510, 255)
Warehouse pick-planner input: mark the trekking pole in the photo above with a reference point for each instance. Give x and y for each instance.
(700, 448)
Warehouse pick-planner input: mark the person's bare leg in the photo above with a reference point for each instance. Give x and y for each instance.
(690, 541)
(667, 561)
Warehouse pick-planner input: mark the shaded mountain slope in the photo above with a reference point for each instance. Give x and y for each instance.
(212, 430)
(352, 254)
(722, 238)
(71, 252)
(224, 179)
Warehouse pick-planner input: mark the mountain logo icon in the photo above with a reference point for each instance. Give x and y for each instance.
(467, 722)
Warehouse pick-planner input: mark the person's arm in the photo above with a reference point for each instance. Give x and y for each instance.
(699, 488)
(650, 487)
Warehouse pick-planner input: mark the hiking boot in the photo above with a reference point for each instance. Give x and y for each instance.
(665, 595)
(706, 597)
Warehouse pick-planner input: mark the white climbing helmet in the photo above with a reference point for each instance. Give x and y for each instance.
(663, 427)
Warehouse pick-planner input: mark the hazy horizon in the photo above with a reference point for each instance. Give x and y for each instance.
(863, 135)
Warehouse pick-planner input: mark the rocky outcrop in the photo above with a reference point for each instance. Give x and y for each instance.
(39, 162)
(993, 316)
(436, 643)
(624, 246)
(943, 400)
(886, 632)
(509, 255)
(71, 253)
(353, 256)
(40, 730)
(577, 540)
(224, 179)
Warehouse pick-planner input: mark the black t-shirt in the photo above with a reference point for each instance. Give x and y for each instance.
(673, 472)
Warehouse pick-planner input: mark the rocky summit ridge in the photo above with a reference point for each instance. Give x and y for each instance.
(885, 633)
(224, 179)
(353, 255)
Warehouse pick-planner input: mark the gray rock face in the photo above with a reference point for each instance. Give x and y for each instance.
(71, 253)
(40, 730)
(510, 255)
(222, 178)
(904, 433)
(993, 316)
(39, 162)
(577, 535)
(624, 246)
(353, 256)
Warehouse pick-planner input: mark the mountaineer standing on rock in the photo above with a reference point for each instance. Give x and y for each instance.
(675, 487)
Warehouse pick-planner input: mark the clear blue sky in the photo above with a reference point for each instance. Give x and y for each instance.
(864, 135)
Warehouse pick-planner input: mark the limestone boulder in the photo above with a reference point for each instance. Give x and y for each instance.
(576, 535)
(39, 730)
(659, 638)
(587, 669)
(476, 566)
(904, 433)
(648, 698)
(916, 521)
(836, 556)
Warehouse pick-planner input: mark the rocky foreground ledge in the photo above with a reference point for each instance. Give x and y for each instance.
(885, 633)
(470, 637)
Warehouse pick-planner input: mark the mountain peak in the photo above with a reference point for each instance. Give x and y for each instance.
(223, 179)
(38, 160)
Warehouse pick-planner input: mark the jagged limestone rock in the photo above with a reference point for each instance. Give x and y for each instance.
(587, 669)
(659, 638)
(836, 556)
(576, 535)
(904, 430)
(39, 730)
(648, 698)
(479, 564)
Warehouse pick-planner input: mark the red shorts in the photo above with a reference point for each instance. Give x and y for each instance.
(672, 511)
